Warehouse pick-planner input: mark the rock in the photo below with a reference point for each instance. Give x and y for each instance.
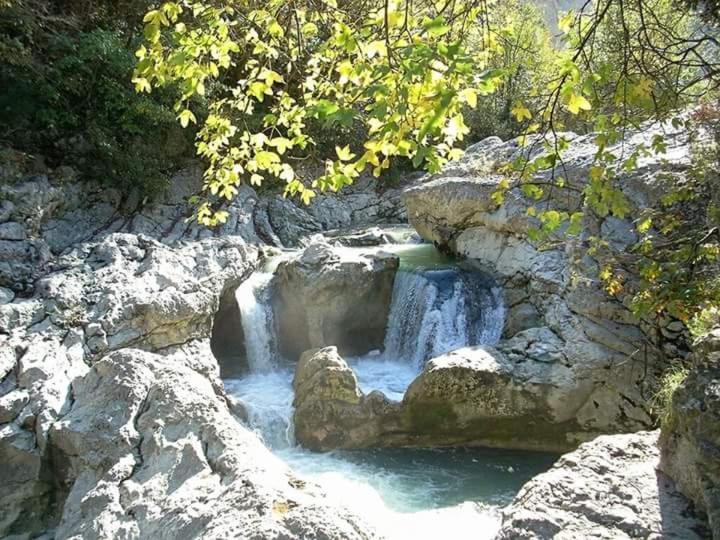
(369, 237)
(330, 410)
(619, 232)
(289, 222)
(690, 438)
(12, 403)
(6, 296)
(327, 296)
(12, 231)
(479, 396)
(139, 292)
(113, 421)
(475, 396)
(614, 361)
(609, 489)
(521, 317)
(150, 450)
(26, 489)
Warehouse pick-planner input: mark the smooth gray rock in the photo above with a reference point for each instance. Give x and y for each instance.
(483, 397)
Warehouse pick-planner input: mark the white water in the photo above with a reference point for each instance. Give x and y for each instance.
(254, 304)
(429, 316)
(415, 494)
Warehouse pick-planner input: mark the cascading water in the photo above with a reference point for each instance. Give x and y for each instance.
(430, 315)
(436, 307)
(253, 300)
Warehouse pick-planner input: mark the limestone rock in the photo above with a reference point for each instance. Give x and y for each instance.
(150, 450)
(690, 439)
(328, 296)
(613, 360)
(330, 410)
(479, 396)
(607, 489)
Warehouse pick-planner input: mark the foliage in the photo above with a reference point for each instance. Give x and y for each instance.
(627, 62)
(67, 95)
(661, 402)
(519, 45)
(399, 69)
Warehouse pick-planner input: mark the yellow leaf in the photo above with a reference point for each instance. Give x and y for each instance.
(344, 153)
(521, 112)
(376, 48)
(470, 97)
(576, 103)
(141, 84)
(281, 143)
(186, 117)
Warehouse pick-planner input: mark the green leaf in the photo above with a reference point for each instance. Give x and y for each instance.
(436, 27)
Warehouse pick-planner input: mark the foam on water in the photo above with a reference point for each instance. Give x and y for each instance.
(402, 493)
(436, 307)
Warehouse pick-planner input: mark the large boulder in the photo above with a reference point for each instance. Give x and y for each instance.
(333, 296)
(330, 410)
(479, 396)
(125, 290)
(475, 396)
(607, 489)
(611, 361)
(150, 449)
(690, 440)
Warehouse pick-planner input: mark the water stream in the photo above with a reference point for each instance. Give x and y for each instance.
(437, 306)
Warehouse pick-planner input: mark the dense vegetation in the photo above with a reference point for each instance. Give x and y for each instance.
(368, 85)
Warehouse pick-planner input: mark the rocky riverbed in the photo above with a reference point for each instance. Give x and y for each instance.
(114, 421)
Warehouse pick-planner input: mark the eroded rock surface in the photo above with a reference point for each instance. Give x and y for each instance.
(608, 489)
(474, 396)
(150, 450)
(333, 296)
(113, 420)
(330, 410)
(690, 439)
(605, 363)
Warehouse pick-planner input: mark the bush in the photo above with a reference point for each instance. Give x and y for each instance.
(66, 94)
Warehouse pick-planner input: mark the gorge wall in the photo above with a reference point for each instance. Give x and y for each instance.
(113, 419)
(593, 364)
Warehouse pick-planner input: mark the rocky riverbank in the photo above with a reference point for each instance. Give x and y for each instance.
(114, 421)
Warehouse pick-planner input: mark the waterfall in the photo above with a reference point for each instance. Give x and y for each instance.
(253, 300)
(435, 311)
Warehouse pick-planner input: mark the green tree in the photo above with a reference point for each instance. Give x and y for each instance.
(398, 68)
(627, 62)
(406, 71)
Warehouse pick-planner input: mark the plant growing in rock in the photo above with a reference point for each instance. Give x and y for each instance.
(661, 403)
